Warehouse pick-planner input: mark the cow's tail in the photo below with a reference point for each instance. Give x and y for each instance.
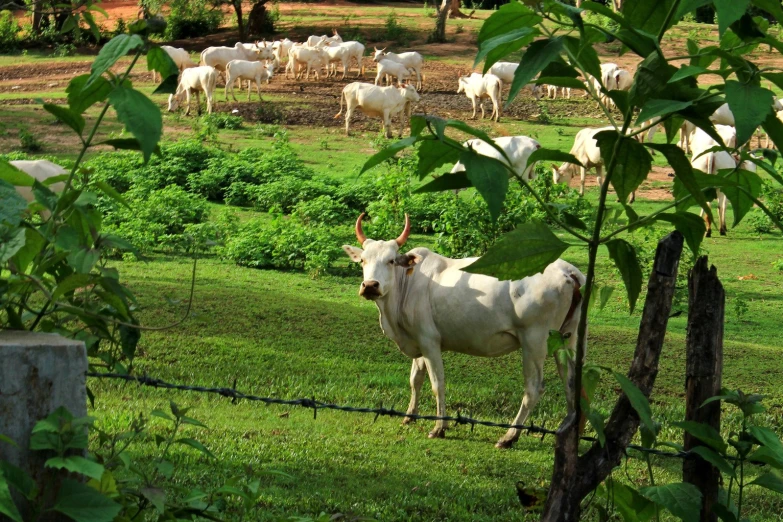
(342, 97)
(201, 58)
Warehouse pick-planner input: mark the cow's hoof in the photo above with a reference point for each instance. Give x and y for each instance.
(709, 233)
(504, 444)
(438, 433)
(723, 232)
(408, 420)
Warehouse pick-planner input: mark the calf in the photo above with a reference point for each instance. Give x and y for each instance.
(388, 68)
(478, 87)
(383, 102)
(411, 60)
(311, 58)
(250, 71)
(192, 81)
(179, 56)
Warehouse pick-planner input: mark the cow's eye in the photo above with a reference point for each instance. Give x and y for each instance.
(391, 262)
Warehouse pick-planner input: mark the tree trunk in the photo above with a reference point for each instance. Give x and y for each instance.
(704, 363)
(258, 22)
(454, 11)
(574, 477)
(439, 35)
(37, 16)
(240, 21)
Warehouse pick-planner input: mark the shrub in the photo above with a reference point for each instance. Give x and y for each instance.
(28, 141)
(9, 31)
(324, 210)
(188, 19)
(286, 192)
(773, 198)
(157, 217)
(395, 31)
(119, 169)
(223, 120)
(286, 243)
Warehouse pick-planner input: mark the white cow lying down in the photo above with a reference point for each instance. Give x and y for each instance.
(383, 102)
(428, 305)
(517, 148)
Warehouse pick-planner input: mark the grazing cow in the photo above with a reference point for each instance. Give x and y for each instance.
(311, 58)
(202, 78)
(517, 148)
(428, 305)
(505, 71)
(711, 163)
(388, 68)
(179, 56)
(623, 80)
(344, 53)
(478, 87)
(411, 60)
(585, 149)
(250, 71)
(383, 102)
(41, 170)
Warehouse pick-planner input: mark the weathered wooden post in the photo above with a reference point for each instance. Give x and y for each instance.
(703, 367)
(39, 373)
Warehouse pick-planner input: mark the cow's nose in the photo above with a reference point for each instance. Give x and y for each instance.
(374, 285)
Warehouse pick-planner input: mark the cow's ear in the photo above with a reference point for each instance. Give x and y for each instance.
(407, 260)
(355, 253)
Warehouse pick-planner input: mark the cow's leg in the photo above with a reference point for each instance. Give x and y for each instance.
(418, 372)
(377, 78)
(348, 113)
(198, 102)
(481, 104)
(473, 100)
(582, 181)
(387, 123)
(434, 363)
(722, 212)
(187, 100)
(533, 355)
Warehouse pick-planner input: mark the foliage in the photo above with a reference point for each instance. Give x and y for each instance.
(28, 141)
(224, 120)
(324, 210)
(395, 31)
(191, 18)
(773, 198)
(9, 32)
(286, 243)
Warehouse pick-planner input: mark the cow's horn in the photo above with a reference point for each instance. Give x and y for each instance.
(359, 232)
(405, 233)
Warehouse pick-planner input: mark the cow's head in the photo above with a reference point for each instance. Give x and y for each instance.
(379, 259)
(408, 92)
(174, 101)
(378, 54)
(563, 173)
(462, 81)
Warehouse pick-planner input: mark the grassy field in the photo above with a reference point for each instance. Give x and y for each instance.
(283, 334)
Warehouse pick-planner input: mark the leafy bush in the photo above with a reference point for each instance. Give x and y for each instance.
(157, 217)
(224, 120)
(286, 192)
(188, 19)
(119, 169)
(286, 243)
(28, 141)
(773, 198)
(324, 210)
(9, 30)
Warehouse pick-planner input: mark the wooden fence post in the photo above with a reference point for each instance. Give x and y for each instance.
(704, 364)
(573, 479)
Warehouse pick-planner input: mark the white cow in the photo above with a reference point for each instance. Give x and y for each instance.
(383, 102)
(309, 58)
(411, 60)
(281, 48)
(517, 148)
(192, 81)
(428, 305)
(711, 163)
(314, 41)
(623, 79)
(585, 149)
(701, 141)
(389, 68)
(218, 57)
(478, 87)
(344, 53)
(179, 56)
(505, 71)
(41, 170)
(250, 71)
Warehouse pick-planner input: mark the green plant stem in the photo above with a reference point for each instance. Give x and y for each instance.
(668, 19)
(652, 483)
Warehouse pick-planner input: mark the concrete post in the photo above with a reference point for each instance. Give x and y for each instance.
(39, 372)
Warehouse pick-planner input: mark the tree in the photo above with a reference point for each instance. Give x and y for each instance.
(558, 49)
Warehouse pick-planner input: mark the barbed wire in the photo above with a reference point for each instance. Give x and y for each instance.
(316, 405)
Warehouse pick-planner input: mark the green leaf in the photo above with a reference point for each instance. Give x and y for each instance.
(631, 505)
(162, 415)
(435, 153)
(10, 247)
(114, 49)
(388, 152)
(632, 164)
(489, 176)
(126, 144)
(83, 504)
(67, 116)
(14, 176)
(492, 50)
(160, 61)
(637, 400)
(688, 71)
(655, 107)
(554, 342)
(71, 283)
(774, 128)
(750, 105)
(7, 505)
(639, 42)
(604, 294)
(647, 16)
(13, 205)
(682, 500)
(83, 260)
(157, 498)
(624, 256)
(768, 438)
(716, 460)
(683, 172)
(129, 340)
(538, 55)
(196, 445)
(8, 440)
(76, 464)
(770, 481)
(140, 115)
(106, 485)
(524, 251)
(508, 18)
(742, 188)
(767, 456)
(82, 96)
(705, 433)
(729, 11)
(96, 31)
(18, 479)
(689, 225)
(458, 180)
(192, 422)
(772, 7)
(112, 193)
(44, 195)
(596, 421)
(543, 154)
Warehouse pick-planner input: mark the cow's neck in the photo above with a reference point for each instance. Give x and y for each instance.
(396, 316)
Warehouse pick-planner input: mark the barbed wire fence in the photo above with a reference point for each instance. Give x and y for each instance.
(315, 405)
